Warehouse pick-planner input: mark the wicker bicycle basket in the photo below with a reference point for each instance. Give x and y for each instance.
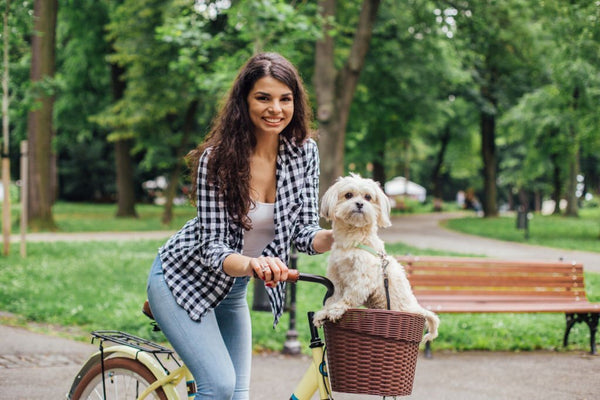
(373, 351)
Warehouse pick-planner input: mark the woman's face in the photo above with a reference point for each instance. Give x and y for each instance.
(270, 105)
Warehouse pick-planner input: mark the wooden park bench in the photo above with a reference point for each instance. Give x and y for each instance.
(480, 285)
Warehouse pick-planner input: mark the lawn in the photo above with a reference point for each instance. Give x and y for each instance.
(98, 285)
(581, 233)
(90, 217)
(77, 287)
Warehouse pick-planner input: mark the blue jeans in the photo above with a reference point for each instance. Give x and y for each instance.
(218, 349)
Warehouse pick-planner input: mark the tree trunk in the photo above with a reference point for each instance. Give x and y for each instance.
(436, 174)
(5, 134)
(188, 127)
(379, 168)
(123, 162)
(556, 183)
(40, 130)
(573, 168)
(488, 152)
(125, 192)
(335, 89)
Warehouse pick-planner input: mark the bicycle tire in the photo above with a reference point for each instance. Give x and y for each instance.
(125, 379)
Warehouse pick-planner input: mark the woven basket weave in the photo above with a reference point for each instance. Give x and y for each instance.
(373, 351)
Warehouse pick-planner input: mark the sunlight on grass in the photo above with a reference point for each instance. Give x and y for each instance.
(582, 233)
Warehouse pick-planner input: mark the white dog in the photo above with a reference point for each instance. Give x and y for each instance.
(358, 264)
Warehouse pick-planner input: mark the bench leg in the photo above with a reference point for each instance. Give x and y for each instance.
(593, 324)
(591, 319)
(428, 353)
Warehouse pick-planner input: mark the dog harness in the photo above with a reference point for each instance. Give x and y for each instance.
(384, 264)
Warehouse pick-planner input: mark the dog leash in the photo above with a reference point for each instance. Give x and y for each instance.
(384, 265)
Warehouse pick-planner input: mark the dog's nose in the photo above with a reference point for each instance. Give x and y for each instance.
(359, 205)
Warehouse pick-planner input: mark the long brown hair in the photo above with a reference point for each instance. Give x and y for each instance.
(232, 139)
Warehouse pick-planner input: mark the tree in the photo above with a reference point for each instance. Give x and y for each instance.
(42, 163)
(178, 62)
(335, 88)
(5, 133)
(405, 117)
(561, 112)
(86, 167)
(494, 39)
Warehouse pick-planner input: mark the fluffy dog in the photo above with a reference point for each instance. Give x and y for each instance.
(357, 207)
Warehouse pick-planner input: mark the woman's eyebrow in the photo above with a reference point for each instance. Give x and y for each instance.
(269, 94)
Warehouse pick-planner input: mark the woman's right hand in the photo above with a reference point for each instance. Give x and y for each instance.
(269, 269)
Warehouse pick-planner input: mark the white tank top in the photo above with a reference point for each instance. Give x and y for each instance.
(263, 229)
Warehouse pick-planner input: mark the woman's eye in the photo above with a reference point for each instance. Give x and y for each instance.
(368, 197)
(348, 195)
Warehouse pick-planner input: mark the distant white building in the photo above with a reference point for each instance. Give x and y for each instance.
(400, 186)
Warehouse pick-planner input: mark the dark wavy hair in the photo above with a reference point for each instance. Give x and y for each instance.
(232, 139)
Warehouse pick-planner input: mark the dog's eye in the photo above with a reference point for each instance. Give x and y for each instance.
(348, 195)
(368, 197)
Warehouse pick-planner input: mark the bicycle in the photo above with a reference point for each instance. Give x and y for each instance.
(136, 368)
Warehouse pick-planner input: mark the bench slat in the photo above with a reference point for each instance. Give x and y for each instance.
(502, 307)
(567, 270)
(479, 298)
(474, 262)
(496, 281)
(444, 293)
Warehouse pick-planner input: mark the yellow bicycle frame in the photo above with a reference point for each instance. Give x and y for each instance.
(315, 378)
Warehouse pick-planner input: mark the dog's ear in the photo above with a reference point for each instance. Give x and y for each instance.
(329, 201)
(385, 208)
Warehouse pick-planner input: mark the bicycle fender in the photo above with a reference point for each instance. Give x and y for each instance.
(124, 351)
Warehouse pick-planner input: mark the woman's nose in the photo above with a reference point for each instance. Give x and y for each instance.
(275, 107)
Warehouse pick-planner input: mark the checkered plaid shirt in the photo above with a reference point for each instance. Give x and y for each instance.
(193, 258)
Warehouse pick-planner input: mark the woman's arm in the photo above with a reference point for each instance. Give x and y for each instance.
(323, 241)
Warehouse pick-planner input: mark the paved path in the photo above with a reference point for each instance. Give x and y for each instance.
(424, 231)
(38, 367)
(35, 366)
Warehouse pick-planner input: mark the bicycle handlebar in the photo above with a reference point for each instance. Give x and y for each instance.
(294, 276)
(317, 279)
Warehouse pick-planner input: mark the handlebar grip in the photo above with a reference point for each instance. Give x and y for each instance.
(293, 275)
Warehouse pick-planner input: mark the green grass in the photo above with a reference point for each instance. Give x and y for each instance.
(91, 217)
(78, 287)
(582, 233)
(94, 285)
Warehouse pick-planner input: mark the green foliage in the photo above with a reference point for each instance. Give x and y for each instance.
(20, 25)
(560, 112)
(431, 69)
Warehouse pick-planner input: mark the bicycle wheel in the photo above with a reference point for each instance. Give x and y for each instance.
(124, 379)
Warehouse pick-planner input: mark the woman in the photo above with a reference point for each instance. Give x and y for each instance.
(256, 185)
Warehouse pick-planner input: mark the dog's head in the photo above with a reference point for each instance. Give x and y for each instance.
(356, 201)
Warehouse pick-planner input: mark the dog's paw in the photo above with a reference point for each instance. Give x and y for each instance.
(336, 313)
(320, 318)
